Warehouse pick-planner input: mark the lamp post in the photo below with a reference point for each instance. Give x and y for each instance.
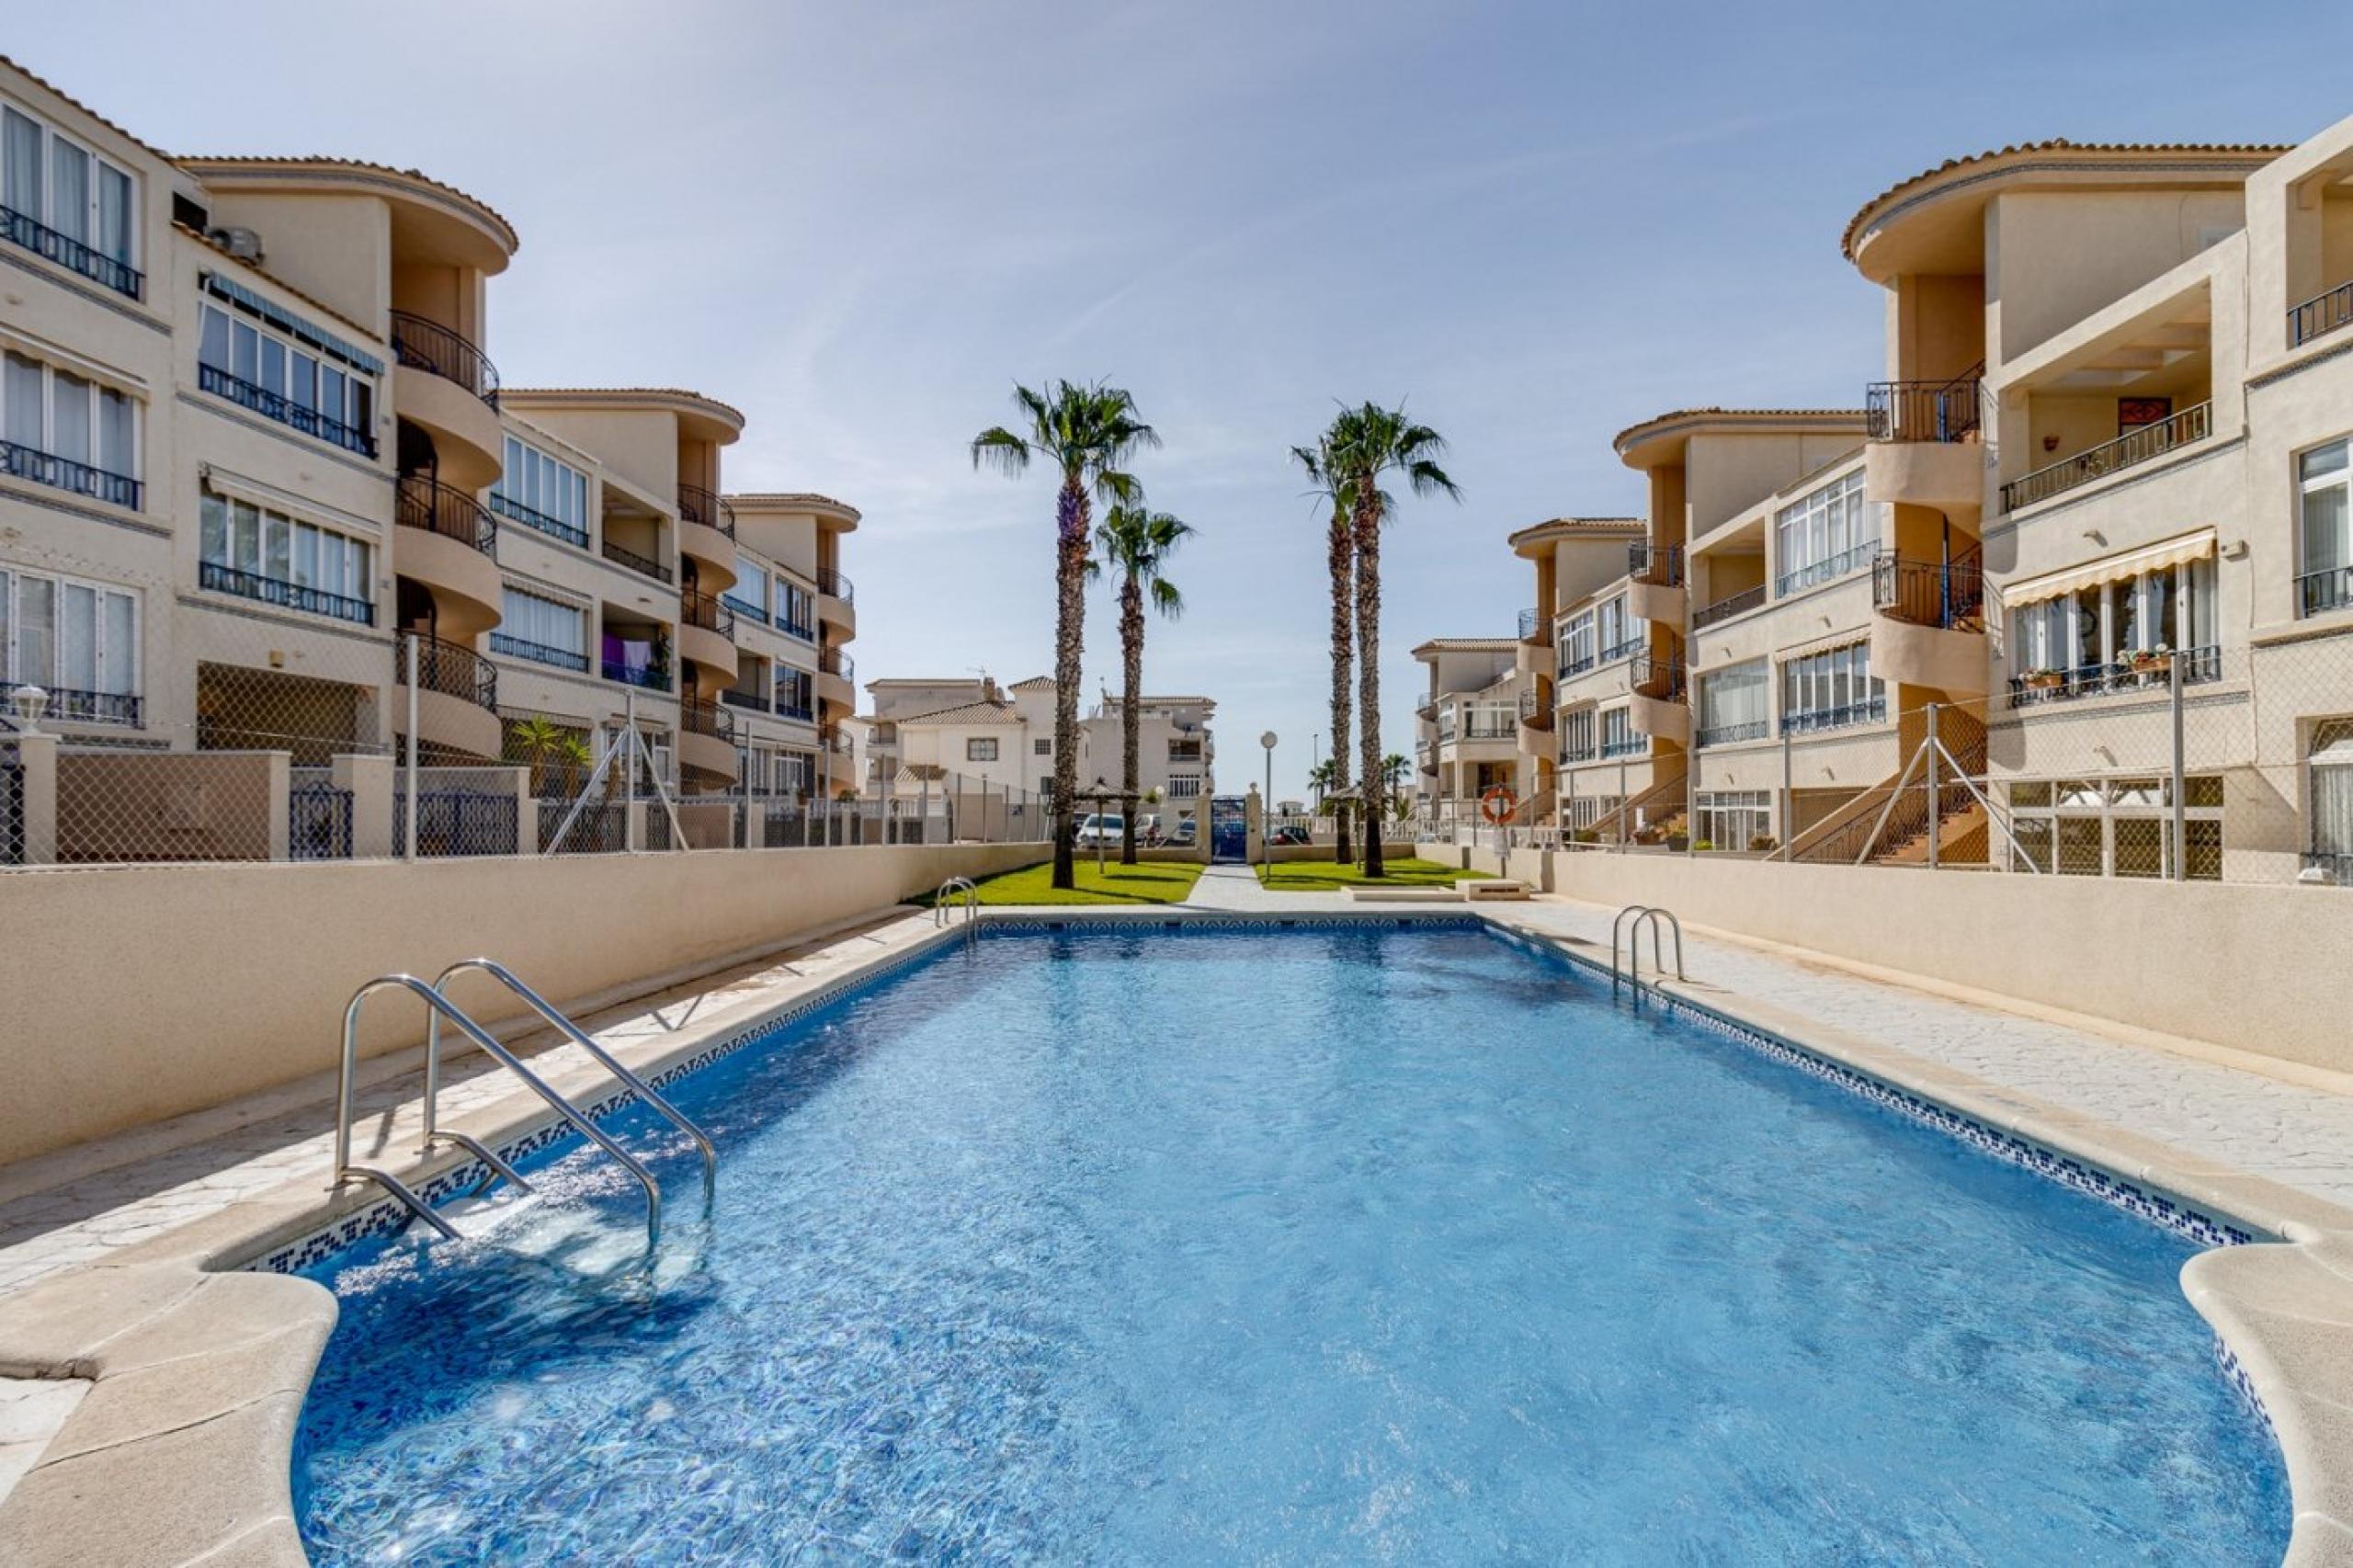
(30, 702)
(1267, 805)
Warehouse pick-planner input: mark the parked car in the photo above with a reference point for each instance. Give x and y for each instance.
(1183, 839)
(1287, 832)
(1101, 828)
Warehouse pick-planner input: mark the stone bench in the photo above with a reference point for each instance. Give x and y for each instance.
(1495, 889)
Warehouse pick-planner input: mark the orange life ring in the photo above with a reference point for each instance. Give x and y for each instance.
(1497, 804)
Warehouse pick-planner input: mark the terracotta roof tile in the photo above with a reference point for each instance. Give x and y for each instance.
(196, 164)
(1841, 416)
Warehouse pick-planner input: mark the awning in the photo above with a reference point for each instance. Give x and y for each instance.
(2115, 569)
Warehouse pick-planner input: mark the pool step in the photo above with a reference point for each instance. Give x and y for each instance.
(1374, 893)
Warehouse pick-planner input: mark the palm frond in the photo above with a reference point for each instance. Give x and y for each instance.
(1001, 448)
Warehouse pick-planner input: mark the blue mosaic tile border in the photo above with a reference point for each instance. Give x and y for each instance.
(2235, 1373)
(2145, 1202)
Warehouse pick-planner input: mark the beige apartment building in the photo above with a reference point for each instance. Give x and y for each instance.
(1467, 728)
(257, 467)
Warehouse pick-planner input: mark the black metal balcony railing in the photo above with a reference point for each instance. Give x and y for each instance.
(1531, 625)
(81, 707)
(2329, 588)
(1725, 609)
(1830, 568)
(696, 504)
(1626, 649)
(790, 708)
(1660, 566)
(531, 517)
(834, 661)
(1534, 711)
(69, 253)
(1585, 753)
(450, 668)
(1487, 727)
(1628, 745)
(698, 608)
(1730, 734)
(428, 345)
(2146, 674)
(706, 719)
(1570, 667)
(649, 677)
(2321, 314)
(622, 555)
(1662, 680)
(745, 607)
(830, 583)
(423, 503)
(1946, 594)
(538, 652)
(2132, 448)
(277, 406)
(285, 595)
(1871, 711)
(64, 473)
(1926, 411)
(755, 701)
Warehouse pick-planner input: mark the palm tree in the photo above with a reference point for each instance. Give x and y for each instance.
(1339, 553)
(1363, 445)
(1137, 542)
(539, 742)
(1393, 771)
(1318, 778)
(1088, 433)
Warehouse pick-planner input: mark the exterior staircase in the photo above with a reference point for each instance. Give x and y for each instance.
(1854, 834)
(1662, 805)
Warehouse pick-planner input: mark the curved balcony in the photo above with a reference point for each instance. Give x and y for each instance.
(1659, 706)
(707, 635)
(447, 385)
(448, 541)
(1929, 629)
(457, 696)
(836, 675)
(835, 604)
(1536, 725)
(707, 741)
(706, 535)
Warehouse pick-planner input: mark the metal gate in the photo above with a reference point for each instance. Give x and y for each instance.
(1229, 830)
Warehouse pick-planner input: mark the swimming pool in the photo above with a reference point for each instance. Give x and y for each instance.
(1366, 1243)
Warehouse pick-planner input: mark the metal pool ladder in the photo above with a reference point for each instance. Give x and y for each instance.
(965, 891)
(1652, 916)
(441, 1007)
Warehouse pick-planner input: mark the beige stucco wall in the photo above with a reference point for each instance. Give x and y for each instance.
(2240, 966)
(168, 989)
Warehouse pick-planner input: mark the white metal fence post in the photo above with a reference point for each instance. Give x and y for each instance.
(2180, 834)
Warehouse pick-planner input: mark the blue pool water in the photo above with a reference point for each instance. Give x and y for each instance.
(1378, 1245)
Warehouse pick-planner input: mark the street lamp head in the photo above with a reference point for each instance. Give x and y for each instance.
(1267, 740)
(30, 702)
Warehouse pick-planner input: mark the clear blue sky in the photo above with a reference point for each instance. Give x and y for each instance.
(861, 221)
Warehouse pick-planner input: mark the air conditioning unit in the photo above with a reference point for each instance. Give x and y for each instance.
(243, 243)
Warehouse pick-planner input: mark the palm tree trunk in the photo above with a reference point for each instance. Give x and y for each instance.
(1341, 553)
(1368, 542)
(1131, 725)
(1071, 516)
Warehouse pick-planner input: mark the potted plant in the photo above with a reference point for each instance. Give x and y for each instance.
(1762, 842)
(1585, 835)
(2147, 660)
(2043, 680)
(1703, 845)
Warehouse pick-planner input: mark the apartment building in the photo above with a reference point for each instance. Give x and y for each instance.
(256, 466)
(923, 731)
(1467, 727)
(795, 614)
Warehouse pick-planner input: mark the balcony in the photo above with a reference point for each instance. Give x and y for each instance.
(1943, 411)
(1625, 650)
(706, 535)
(1930, 626)
(64, 473)
(1659, 705)
(2127, 450)
(428, 345)
(448, 541)
(836, 601)
(222, 579)
(707, 741)
(1725, 609)
(699, 505)
(800, 712)
(1660, 566)
(1816, 720)
(645, 678)
(538, 652)
(2330, 588)
(706, 719)
(70, 254)
(67, 705)
(1534, 711)
(751, 700)
(2319, 315)
(620, 555)
(457, 695)
(1533, 627)
(706, 636)
(1624, 746)
(283, 410)
(538, 521)
(2148, 674)
(1732, 734)
(422, 503)
(1829, 569)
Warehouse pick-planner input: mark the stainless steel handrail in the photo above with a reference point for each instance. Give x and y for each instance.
(572, 1031)
(1642, 915)
(968, 894)
(441, 1007)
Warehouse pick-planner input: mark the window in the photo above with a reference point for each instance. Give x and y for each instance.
(2081, 642)
(980, 749)
(796, 693)
(61, 429)
(1618, 735)
(293, 382)
(1616, 631)
(796, 610)
(1732, 705)
(1042, 747)
(256, 553)
(545, 630)
(1834, 687)
(2115, 827)
(750, 594)
(2324, 564)
(1184, 786)
(1576, 735)
(77, 640)
(796, 772)
(1824, 534)
(1734, 819)
(1576, 646)
(1486, 721)
(540, 493)
(2330, 761)
(68, 204)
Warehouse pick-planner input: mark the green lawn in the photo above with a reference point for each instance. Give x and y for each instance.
(1155, 881)
(1330, 876)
